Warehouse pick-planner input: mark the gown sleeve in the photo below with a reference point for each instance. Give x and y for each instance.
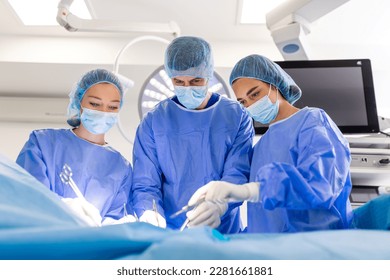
(317, 178)
(237, 163)
(117, 208)
(147, 178)
(30, 158)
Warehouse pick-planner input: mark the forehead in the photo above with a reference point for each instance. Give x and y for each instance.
(103, 90)
(242, 85)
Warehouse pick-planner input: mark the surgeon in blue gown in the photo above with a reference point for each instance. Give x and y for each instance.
(188, 140)
(101, 173)
(300, 178)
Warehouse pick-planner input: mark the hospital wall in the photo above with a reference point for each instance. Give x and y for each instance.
(56, 63)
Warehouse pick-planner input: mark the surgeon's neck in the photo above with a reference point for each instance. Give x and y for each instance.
(83, 133)
(205, 101)
(285, 111)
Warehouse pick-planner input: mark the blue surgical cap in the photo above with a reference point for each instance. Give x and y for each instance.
(189, 56)
(89, 79)
(261, 68)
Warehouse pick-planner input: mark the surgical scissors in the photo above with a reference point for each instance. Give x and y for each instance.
(66, 178)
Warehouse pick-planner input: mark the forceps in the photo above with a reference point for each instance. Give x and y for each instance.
(126, 214)
(66, 178)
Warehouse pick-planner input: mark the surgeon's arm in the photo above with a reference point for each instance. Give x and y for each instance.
(122, 201)
(321, 171)
(147, 176)
(30, 158)
(237, 163)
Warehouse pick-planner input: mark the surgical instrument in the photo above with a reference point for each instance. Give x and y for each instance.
(66, 178)
(188, 207)
(155, 212)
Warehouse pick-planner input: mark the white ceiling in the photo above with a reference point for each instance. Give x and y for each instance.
(212, 19)
(216, 19)
(29, 55)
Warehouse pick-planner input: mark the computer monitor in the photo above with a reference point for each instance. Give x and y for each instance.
(344, 89)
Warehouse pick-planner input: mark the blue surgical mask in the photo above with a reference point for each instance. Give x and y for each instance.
(263, 110)
(98, 122)
(192, 96)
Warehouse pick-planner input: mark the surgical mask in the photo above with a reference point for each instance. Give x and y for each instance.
(263, 110)
(192, 96)
(98, 122)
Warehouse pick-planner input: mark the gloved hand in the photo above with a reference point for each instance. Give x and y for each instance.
(220, 191)
(149, 216)
(207, 214)
(126, 219)
(84, 210)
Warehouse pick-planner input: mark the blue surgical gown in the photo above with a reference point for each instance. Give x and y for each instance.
(302, 164)
(101, 173)
(176, 151)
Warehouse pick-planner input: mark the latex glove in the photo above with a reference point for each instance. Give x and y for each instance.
(207, 214)
(126, 219)
(84, 210)
(220, 191)
(149, 216)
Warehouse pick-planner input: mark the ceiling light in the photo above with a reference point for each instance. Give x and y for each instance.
(44, 12)
(254, 11)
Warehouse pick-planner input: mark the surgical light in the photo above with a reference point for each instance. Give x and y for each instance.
(290, 22)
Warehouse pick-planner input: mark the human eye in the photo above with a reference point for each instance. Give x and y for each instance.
(197, 82)
(178, 82)
(254, 95)
(113, 108)
(94, 104)
(242, 102)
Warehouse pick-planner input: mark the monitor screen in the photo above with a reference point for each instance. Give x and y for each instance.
(342, 88)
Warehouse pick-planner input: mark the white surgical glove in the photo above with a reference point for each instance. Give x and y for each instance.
(207, 214)
(126, 219)
(153, 218)
(84, 210)
(220, 191)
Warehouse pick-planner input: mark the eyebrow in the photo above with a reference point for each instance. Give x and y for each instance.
(251, 90)
(115, 100)
(196, 78)
(248, 92)
(91, 96)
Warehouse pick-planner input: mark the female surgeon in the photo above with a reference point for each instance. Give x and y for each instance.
(101, 173)
(299, 179)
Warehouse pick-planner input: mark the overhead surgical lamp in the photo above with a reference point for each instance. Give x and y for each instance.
(130, 82)
(289, 24)
(73, 23)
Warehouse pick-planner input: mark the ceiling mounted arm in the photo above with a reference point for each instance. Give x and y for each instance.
(73, 23)
(289, 23)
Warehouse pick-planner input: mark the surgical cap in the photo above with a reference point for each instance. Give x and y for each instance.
(261, 68)
(189, 56)
(89, 79)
